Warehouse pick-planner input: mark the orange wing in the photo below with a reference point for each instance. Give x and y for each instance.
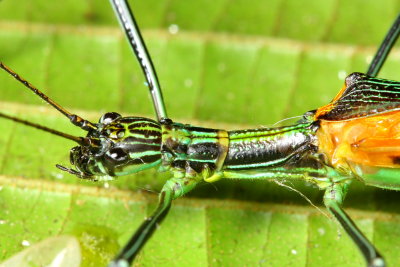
(370, 141)
(361, 96)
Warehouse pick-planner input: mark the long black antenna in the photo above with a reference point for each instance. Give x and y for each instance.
(128, 23)
(79, 140)
(384, 49)
(75, 119)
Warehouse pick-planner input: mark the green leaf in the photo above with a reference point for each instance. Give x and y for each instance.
(232, 64)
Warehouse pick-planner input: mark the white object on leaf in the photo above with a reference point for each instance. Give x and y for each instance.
(59, 251)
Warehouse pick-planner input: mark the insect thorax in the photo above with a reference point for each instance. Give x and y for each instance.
(193, 151)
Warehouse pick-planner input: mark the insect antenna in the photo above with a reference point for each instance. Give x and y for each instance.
(75, 119)
(77, 139)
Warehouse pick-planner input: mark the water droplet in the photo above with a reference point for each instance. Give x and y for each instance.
(221, 67)
(173, 29)
(321, 231)
(342, 74)
(188, 83)
(368, 59)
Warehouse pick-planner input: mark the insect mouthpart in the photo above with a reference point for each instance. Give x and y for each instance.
(85, 160)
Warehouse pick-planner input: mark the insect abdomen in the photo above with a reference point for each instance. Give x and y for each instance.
(265, 148)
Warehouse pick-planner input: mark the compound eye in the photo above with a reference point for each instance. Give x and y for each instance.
(117, 154)
(109, 117)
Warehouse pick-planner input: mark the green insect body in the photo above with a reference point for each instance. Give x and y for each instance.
(194, 154)
(132, 144)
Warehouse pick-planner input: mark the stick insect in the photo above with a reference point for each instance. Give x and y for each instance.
(208, 173)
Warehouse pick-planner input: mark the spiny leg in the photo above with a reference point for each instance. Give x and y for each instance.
(129, 25)
(173, 188)
(384, 49)
(333, 199)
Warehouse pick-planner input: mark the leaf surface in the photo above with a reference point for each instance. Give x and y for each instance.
(232, 64)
